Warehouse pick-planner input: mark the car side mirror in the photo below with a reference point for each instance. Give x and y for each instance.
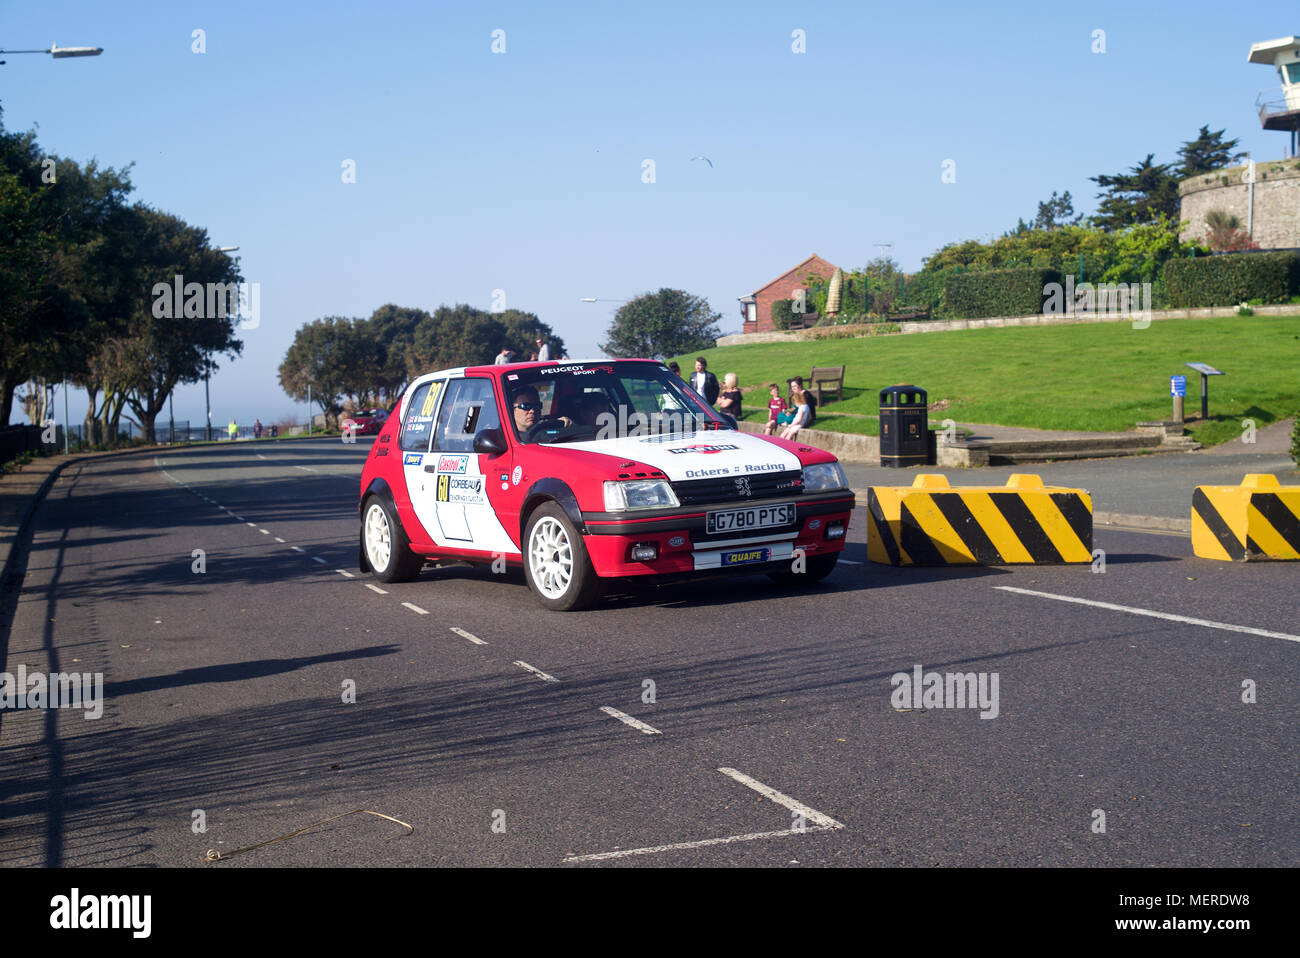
(490, 441)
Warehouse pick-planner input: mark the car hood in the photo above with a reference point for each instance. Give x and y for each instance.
(700, 455)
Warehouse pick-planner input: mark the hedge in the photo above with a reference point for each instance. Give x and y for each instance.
(782, 315)
(1232, 278)
(997, 292)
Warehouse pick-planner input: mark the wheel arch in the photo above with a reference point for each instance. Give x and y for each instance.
(551, 490)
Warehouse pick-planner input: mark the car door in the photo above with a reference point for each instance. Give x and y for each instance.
(465, 514)
(414, 444)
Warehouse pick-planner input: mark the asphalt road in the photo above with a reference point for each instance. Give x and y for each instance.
(774, 737)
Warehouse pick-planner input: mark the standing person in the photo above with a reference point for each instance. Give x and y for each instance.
(504, 357)
(543, 350)
(704, 382)
(233, 430)
(802, 413)
(775, 407)
(729, 398)
(257, 429)
(675, 370)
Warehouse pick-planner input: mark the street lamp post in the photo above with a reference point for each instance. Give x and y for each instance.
(60, 53)
(207, 372)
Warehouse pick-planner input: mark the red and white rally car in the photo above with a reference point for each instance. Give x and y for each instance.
(587, 470)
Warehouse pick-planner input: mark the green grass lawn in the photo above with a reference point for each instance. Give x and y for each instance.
(1103, 377)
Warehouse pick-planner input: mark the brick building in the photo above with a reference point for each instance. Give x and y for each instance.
(757, 307)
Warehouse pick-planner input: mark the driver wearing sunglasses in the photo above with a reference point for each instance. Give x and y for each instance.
(526, 407)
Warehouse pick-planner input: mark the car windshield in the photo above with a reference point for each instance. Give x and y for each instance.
(584, 401)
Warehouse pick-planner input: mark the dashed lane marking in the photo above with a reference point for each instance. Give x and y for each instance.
(318, 559)
(536, 671)
(1132, 610)
(811, 814)
(264, 532)
(682, 846)
(415, 608)
(297, 548)
(467, 635)
(344, 572)
(629, 720)
(374, 588)
(278, 539)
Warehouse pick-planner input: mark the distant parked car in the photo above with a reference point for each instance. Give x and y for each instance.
(368, 422)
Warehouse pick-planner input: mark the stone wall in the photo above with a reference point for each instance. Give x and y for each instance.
(1276, 223)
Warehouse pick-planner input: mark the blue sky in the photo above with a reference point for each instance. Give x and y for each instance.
(522, 170)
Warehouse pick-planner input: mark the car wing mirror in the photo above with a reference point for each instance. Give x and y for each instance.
(490, 441)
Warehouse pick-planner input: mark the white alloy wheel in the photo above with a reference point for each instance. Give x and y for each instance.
(550, 557)
(379, 538)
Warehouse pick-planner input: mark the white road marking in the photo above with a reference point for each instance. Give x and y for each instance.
(415, 608)
(374, 588)
(240, 518)
(536, 671)
(305, 468)
(679, 846)
(473, 638)
(1207, 623)
(629, 720)
(318, 559)
(811, 814)
(260, 456)
(849, 562)
(278, 539)
(252, 524)
(264, 532)
(297, 548)
(344, 572)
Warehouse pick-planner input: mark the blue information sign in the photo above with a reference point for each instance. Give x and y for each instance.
(1178, 385)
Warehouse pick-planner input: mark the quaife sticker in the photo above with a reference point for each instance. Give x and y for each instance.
(412, 459)
(702, 447)
(454, 464)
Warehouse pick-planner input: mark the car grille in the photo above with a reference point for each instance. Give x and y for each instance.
(765, 485)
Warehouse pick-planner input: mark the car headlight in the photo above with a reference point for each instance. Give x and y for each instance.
(823, 477)
(641, 494)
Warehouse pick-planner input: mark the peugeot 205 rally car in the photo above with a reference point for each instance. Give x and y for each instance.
(583, 471)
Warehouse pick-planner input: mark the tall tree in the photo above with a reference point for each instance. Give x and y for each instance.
(1209, 151)
(170, 340)
(1055, 213)
(319, 358)
(666, 323)
(1139, 196)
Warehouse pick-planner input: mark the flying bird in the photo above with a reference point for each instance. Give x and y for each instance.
(704, 158)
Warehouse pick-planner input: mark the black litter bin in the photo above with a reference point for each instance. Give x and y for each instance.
(904, 424)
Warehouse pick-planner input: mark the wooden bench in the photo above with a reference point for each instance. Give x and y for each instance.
(828, 378)
(915, 314)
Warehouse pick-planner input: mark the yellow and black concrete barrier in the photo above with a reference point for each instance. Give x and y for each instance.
(1259, 519)
(931, 523)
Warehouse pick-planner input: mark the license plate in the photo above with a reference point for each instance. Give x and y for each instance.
(755, 517)
(745, 556)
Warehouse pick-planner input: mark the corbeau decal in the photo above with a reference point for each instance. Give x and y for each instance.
(455, 489)
(455, 464)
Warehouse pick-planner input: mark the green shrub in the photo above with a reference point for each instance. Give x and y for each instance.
(997, 292)
(1295, 439)
(782, 315)
(1232, 278)
(925, 291)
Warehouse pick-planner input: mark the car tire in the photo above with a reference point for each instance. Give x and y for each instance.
(386, 547)
(815, 569)
(556, 563)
